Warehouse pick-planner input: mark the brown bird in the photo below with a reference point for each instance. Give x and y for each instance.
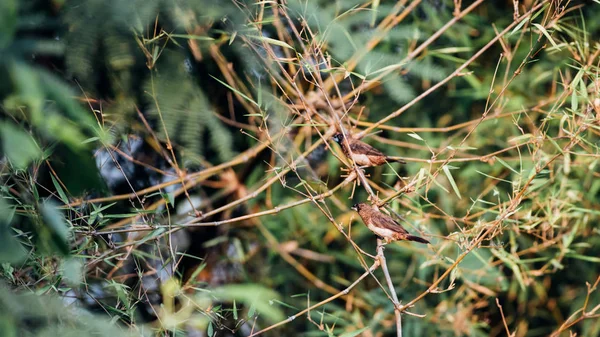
(383, 225)
(363, 154)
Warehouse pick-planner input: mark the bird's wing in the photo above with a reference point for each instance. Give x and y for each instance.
(387, 222)
(359, 147)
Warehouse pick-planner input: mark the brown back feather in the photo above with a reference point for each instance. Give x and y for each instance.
(380, 219)
(359, 147)
(385, 221)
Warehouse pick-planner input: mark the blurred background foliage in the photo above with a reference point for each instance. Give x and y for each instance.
(164, 169)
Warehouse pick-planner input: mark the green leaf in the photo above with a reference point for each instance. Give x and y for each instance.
(11, 250)
(519, 26)
(28, 314)
(58, 91)
(252, 311)
(77, 170)
(193, 37)
(451, 179)
(545, 32)
(8, 21)
(28, 90)
(235, 90)
(505, 164)
(55, 234)
(593, 259)
(72, 271)
(19, 147)
(210, 330)
(59, 190)
(374, 6)
(271, 41)
(509, 260)
(415, 136)
(254, 296)
(354, 333)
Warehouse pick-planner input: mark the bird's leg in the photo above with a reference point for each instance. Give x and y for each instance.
(384, 242)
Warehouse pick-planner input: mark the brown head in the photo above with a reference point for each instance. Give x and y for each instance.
(338, 137)
(360, 206)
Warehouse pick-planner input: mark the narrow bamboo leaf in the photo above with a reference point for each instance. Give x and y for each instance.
(415, 136)
(519, 26)
(593, 259)
(553, 142)
(492, 177)
(545, 32)
(574, 100)
(508, 260)
(252, 310)
(193, 37)
(355, 333)
(420, 177)
(271, 41)
(284, 304)
(437, 183)
(505, 164)
(375, 6)
(236, 91)
(61, 192)
(451, 179)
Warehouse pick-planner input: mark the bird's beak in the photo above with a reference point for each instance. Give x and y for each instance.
(354, 208)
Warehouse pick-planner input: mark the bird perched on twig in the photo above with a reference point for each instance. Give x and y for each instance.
(363, 154)
(383, 225)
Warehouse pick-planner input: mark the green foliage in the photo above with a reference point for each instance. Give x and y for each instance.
(20, 149)
(169, 164)
(11, 251)
(30, 314)
(101, 31)
(183, 110)
(258, 298)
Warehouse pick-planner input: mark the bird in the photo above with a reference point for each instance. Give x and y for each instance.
(363, 154)
(383, 225)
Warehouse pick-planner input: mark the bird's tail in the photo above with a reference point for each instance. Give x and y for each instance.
(416, 238)
(397, 160)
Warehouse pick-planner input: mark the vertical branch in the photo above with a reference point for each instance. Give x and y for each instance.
(388, 280)
(381, 258)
